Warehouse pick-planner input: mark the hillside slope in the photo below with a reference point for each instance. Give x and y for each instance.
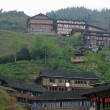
(6, 38)
(94, 17)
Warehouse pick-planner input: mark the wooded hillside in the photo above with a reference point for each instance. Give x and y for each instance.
(16, 21)
(94, 17)
(13, 20)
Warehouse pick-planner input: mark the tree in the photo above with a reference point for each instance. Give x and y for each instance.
(92, 60)
(15, 47)
(68, 52)
(7, 102)
(23, 54)
(44, 48)
(76, 40)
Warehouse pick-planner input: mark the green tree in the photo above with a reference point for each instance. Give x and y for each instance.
(76, 40)
(45, 48)
(15, 47)
(7, 102)
(68, 52)
(92, 60)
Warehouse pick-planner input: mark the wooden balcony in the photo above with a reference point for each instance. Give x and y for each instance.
(77, 59)
(81, 86)
(70, 85)
(40, 22)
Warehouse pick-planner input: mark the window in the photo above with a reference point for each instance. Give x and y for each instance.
(60, 81)
(67, 81)
(53, 88)
(85, 82)
(59, 89)
(76, 82)
(52, 80)
(56, 89)
(62, 89)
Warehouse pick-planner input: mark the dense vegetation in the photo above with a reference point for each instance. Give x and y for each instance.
(43, 52)
(16, 20)
(24, 60)
(23, 55)
(7, 39)
(13, 20)
(94, 17)
(7, 102)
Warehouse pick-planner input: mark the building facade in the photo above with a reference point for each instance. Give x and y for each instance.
(100, 96)
(62, 100)
(64, 27)
(24, 93)
(96, 39)
(40, 23)
(66, 81)
(61, 90)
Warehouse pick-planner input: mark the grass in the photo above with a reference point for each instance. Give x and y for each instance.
(22, 70)
(6, 38)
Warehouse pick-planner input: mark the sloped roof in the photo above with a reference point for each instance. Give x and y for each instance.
(40, 14)
(89, 25)
(68, 74)
(100, 88)
(61, 95)
(21, 85)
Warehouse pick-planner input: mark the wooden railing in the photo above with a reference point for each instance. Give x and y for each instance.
(77, 59)
(70, 85)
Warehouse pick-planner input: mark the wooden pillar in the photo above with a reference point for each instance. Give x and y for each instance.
(103, 103)
(98, 103)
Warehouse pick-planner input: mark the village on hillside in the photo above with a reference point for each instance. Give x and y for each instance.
(61, 89)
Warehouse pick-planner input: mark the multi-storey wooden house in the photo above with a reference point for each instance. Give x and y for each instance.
(100, 96)
(96, 39)
(62, 100)
(40, 23)
(66, 81)
(24, 93)
(78, 56)
(64, 27)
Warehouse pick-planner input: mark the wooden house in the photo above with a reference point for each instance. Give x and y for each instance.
(100, 96)
(24, 93)
(64, 27)
(96, 39)
(62, 100)
(66, 80)
(40, 24)
(78, 56)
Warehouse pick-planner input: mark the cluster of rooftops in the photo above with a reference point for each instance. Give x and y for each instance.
(38, 90)
(91, 34)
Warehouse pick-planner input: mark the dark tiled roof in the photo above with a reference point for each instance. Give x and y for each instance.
(100, 88)
(68, 74)
(40, 14)
(95, 31)
(15, 84)
(61, 95)
(97, 35)
(89, 25)
(71, 20)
